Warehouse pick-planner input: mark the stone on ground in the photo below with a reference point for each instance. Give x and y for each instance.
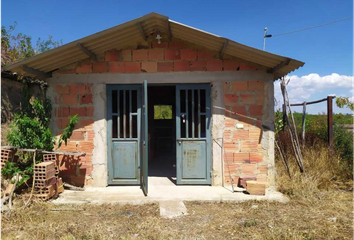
(172, 209)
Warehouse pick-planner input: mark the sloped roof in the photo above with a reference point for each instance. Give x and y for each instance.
(137, 30)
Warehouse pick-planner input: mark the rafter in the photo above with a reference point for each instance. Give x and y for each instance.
(224, 48)
(279, 66)
(39, 74)
(169, 33)
(142, 31)
(86, 51)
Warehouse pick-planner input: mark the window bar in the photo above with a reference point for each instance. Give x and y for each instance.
(192, 113)
(199, 113)
(118, 118)
(124, 116)
(186, 117)
(130, 115)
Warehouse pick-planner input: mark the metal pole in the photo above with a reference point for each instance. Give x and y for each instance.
(264, 38)
(330, 121)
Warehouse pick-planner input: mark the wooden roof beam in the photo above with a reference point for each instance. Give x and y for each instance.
(86, 51)
(142, 31)
(224, 48)
(169, 33)
(37, 73)
(279, 66)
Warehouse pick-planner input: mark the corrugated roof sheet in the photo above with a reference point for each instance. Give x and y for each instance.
(126, 34)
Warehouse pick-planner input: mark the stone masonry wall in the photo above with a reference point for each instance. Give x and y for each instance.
(12, 97)
(244, 155)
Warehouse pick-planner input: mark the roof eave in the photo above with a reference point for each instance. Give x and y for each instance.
(178, 30)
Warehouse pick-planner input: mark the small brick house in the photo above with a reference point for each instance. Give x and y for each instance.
(159, 98)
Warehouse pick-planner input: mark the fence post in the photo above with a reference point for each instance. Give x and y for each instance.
(330, 122)
(303, 123)
(284, 115)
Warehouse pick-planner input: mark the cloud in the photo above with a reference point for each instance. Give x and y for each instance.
(303, 88)
(315, 81)
(299, 93)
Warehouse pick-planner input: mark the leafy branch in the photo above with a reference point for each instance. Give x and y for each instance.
(344, 102)
(68, 130)
(16, 47)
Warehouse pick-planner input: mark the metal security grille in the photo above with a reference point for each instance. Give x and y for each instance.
(193, 117)
(124, 114)
(123, 134)
(193, 113)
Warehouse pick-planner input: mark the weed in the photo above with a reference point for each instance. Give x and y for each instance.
(323, 173)
(250, 223)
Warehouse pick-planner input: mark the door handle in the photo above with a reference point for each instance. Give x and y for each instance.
(183, 116)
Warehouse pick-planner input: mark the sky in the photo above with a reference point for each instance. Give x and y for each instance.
(327, 51)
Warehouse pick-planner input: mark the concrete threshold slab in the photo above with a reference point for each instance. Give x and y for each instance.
(134, 195)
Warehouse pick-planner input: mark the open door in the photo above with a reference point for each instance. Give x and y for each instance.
(123, 134)
(193, 134)
(144, 138)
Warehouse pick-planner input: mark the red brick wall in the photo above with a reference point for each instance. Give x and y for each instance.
(71, 99)
(241, 100)
(243, 151)
(173, 56)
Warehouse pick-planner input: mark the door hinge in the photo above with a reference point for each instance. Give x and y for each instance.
(211, 173)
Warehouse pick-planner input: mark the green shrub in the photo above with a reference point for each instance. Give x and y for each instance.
(30, 130)
(317, 135)
(343, 144)
(317, 132)
(27, 132)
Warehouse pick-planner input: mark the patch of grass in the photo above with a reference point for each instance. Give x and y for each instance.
(250, 223)
(323, 174)
(270, 220)
(321, 207)
(317, 133)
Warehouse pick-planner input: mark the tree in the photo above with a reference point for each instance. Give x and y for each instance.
(16, 47)
(345, 102)
(30, 128)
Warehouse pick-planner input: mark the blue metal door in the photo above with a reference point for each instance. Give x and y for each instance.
(123, 134)
(193, 119)
(144, 142)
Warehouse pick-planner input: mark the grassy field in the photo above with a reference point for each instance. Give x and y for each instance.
(320, 207)
(311, 119)
(327, 218)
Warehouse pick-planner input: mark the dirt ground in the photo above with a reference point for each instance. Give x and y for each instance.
(329, 217)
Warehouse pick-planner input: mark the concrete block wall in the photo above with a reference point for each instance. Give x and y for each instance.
(244, 154)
